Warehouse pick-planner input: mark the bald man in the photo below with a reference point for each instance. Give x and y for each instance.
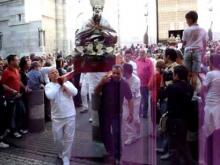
(60, 93)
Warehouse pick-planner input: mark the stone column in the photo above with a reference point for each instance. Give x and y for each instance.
(36, 118)
(59, 24)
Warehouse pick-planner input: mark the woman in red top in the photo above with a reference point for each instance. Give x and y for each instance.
(154, 87)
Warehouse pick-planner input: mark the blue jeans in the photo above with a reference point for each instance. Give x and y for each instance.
(144, 101)
(192, 60)
(16, 114)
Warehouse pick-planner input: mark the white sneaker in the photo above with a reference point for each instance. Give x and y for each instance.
(59, 156)
(90, 120)
(17, 135)
(129, 141)
(24, 131)
(66, 161)
(83, 110)
(4, 145)
(165, 156)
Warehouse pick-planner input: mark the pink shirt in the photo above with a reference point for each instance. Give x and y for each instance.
(145, 70)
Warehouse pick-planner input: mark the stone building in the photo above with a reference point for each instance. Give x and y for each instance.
(35, 26)
(166, 15)
(171, 15)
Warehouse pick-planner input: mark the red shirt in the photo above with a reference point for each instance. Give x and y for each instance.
(11, 78)
(154, 86)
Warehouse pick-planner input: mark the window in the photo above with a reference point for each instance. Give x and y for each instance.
(19, 17)
(1, 40)
(41, 37)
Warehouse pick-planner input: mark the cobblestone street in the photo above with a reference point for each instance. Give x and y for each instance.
(39, 149)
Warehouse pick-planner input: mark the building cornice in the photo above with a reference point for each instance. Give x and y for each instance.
(5, 2)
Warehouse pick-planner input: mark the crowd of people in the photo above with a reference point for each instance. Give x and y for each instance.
(179, 89)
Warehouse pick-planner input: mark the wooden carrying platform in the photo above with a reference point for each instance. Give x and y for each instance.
(93, 63)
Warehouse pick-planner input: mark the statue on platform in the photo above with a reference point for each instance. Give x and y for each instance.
(96, 37)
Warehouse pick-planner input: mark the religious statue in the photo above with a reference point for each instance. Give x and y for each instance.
(96, 37)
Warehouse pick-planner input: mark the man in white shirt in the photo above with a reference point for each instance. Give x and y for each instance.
(132, 130)
(60, 93)
(194, 42)
(127, 59)
(84, 83)
(93, 78)
(44, 72)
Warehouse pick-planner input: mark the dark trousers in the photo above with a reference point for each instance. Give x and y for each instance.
(111, 133)
(105, 127)
(25, 102)
(16, 115)
(47, 108)
(144, 101)
(3, 119)
(77, 98)
(116, 132)
(178, 147)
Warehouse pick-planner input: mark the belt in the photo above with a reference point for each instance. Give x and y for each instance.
(193, 49)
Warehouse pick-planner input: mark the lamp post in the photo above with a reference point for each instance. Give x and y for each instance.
(157, 17)
(119, 31)
(210, 34)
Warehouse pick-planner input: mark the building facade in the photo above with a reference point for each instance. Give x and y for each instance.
(164, 16)
(34, 26)
(171, 15)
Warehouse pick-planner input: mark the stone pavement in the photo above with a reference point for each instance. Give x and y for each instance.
(39, 149)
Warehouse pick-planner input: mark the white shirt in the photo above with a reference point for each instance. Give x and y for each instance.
(195, 37)
(62, 104)
(94, 78)
(135, 84)
(134, 66)
(84, 78)
(44, 71)
(212, 106)
(212, 82)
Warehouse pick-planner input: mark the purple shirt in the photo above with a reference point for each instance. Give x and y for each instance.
(113, 94)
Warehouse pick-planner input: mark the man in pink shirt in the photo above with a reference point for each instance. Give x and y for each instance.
(145, 72)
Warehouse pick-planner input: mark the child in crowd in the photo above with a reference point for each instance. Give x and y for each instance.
(194, 43)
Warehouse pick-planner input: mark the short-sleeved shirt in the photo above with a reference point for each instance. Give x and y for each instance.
(11, 78)
(113, 94)
(195, 37)
(212, 82)
(35, 79)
